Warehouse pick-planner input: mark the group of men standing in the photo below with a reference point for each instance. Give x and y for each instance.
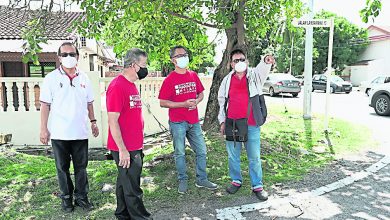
(67, 101)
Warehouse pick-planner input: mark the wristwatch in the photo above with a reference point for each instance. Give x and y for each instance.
(265, 60)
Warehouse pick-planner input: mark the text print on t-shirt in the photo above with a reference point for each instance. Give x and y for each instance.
(185, 88)
(135, 101)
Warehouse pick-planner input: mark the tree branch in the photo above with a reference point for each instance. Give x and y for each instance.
(192, 19)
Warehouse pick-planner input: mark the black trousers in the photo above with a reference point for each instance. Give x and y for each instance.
(128, 190)
(64, 152)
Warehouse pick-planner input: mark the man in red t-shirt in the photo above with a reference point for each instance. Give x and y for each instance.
(181, 92)
(126, 135)
(240, 95)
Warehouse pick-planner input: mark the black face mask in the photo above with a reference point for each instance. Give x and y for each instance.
(142, 72)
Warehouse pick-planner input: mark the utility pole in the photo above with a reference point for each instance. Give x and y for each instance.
(329, 74)
(308, 67)
(292, 49)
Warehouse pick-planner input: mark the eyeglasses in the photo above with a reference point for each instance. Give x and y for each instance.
(131, 64)
(180, 55)
(142, 65)
(239, 60)
(68, 54)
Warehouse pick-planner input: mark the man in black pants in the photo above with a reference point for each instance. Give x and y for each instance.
(66, 94)
(125, 135)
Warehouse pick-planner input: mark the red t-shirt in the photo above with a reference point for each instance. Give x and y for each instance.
(179, 88)
(122, 96)
(238, 100)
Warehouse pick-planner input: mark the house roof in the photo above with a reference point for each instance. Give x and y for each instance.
(384, 30)
(361, 63)
(59, 24)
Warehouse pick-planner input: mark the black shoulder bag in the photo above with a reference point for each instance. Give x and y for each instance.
(237, 129)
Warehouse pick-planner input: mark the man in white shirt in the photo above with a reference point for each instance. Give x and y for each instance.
(66, 100)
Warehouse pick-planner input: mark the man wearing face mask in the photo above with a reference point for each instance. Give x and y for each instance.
(126, 135)
(243, 87)
(66, 95)
(181, 92)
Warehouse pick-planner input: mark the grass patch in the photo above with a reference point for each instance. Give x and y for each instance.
(29, 188)
(291, 147)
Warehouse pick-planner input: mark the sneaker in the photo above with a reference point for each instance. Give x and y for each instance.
(261, 195)
(233, 188)
(67, 205)
(206, 184)
(84, 204)
(183, 186)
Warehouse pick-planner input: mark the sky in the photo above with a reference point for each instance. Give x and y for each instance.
(350, 10)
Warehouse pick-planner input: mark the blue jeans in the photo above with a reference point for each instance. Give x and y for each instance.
(193, 132)
(253, 153)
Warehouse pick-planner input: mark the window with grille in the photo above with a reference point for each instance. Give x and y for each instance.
(13, 69)
(83, 42)
(41, 70)
(91, 63)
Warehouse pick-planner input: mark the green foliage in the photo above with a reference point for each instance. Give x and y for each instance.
(283, 54)
(33, 36)
(259, 46)
(158, 25)
(144, 24)
(372, 10)
(349, 42)
(271, 35)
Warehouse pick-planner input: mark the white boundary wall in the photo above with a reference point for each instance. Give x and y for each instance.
(23, 122)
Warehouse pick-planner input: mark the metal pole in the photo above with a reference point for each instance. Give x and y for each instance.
(308, 67)
(328, 74)
(291, 58)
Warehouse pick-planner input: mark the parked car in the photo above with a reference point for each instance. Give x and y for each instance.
(337, 84)
(301, 79)
(366, 86)
(282, 83)
(379, 99)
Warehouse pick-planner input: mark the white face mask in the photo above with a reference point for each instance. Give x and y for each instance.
(69, 62)
(182, 62)
(240, 67)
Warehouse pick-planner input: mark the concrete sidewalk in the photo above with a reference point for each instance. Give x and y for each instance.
(362, 195)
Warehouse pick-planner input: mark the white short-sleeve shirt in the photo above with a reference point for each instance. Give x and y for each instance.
(68, 99)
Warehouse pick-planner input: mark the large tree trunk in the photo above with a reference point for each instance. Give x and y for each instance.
(211, 116)
(165, 70)
(235, 39)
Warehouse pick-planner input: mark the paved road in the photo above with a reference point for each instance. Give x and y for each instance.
(352, 107)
